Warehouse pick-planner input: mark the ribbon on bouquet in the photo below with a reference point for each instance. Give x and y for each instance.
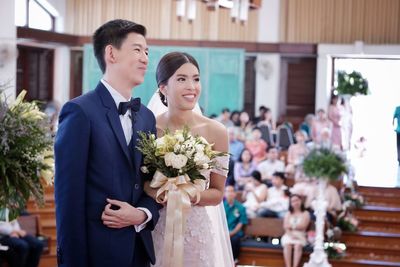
(176, 192)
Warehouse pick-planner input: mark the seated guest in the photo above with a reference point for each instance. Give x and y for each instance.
(320, 123)
(243, 169)
(304, 187)
(236, 219)
(254, 193)
(257, 146)
(225, 118)
(24, 250)
(245, 126)
(332, 197)
(271, 165)
(235, 145)
(297, 152)
(306, 125)
(277, 202)
(295, 224)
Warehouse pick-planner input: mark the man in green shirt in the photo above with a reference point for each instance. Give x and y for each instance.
(236, 218)
(396, 117)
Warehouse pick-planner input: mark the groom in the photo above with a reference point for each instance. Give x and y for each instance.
(103, 216)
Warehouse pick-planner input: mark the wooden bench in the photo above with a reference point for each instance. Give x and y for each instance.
(31, 224)
(264, 227)
(255, 251)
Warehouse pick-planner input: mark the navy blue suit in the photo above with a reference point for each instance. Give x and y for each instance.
(93, 162)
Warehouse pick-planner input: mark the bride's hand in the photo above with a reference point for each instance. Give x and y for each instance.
(151, 192)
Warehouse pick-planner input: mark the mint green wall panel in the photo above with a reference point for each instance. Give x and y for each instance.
(221, 74)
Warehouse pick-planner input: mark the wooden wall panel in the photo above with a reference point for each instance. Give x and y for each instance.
(340, 21)
(159, 16)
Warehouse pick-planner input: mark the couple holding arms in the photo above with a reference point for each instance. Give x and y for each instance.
(105, 210)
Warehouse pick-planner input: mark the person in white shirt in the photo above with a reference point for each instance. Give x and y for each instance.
(277, 203)
(271, 165)
(24, 250)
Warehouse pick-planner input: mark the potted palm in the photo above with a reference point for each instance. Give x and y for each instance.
(323, 164)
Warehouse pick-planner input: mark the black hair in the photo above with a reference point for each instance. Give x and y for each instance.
(113, 33)
(241, 154)
(225, 110)
(302, 207)
(256, 175)
(272, 147)
(280, 175)
(168, 65)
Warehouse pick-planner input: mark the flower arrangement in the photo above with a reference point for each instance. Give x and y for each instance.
(26, 154)
(335, 250)
(351, 83)
(348, 223)
(355, 198)
(324, 163)
(178, 154)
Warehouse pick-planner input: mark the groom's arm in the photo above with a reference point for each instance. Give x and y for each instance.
(71, 154)
(147, 202)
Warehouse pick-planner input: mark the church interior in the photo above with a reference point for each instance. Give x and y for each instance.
(284, 77)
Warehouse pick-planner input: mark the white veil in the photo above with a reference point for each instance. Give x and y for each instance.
(222, 242)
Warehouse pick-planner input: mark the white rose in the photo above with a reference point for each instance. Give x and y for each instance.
(168, 158)
(176, 161)
(200, 159)
(179, 137)
(160, 142)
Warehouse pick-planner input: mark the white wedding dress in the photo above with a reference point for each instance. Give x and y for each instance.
(206, 238)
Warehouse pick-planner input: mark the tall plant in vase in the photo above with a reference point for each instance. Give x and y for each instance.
(26, 155)
(325, 165)
(351, 84)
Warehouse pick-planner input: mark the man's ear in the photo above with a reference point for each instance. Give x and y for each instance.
(109, 54)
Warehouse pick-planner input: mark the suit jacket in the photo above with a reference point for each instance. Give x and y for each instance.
(93, 162)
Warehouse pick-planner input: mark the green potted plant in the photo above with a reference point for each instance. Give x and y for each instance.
(323, 164)
(351, 83)
(26, 154)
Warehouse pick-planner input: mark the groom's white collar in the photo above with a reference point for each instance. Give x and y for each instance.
(118, 98)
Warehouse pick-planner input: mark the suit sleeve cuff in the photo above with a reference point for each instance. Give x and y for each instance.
(140, 227)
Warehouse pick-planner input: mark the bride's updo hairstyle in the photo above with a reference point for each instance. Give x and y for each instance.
(168, 65)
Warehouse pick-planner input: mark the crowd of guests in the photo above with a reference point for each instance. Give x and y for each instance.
(260, 172)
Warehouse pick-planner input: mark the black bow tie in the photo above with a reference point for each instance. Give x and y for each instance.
(133, 104)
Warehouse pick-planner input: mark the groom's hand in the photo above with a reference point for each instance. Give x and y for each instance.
(118, 214)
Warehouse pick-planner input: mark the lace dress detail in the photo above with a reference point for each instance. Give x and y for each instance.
(199, 238)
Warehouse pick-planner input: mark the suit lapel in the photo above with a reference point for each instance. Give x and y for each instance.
(113, 119)
(138, 126)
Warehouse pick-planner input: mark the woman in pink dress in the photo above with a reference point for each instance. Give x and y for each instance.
(318, 125)
(297, 152)
(257, 146)
(335, 115)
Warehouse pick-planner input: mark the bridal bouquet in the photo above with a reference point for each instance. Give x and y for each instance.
(181, 164)
(26, 157)
(180, 156)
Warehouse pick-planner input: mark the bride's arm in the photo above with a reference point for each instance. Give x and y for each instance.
(215, 193)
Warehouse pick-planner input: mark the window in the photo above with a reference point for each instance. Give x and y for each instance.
(38, 14)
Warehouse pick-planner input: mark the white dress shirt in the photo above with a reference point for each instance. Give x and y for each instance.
(126, 123)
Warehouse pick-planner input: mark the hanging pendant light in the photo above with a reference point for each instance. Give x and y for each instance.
(191, 10)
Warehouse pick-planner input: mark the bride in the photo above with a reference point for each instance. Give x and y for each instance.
(206, 237)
